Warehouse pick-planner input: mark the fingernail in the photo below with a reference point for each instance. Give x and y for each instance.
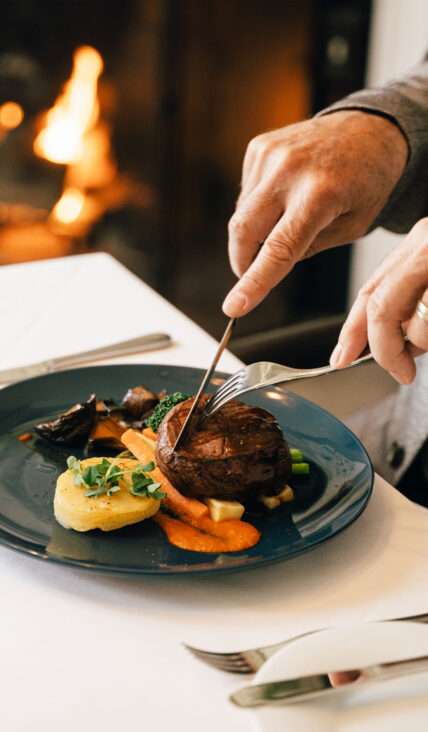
(235, 304)
(403, 378)
(336, 356)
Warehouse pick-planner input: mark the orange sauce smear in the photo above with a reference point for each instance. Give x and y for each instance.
(205, 535)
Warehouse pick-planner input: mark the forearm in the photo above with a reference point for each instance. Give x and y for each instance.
(405, 103)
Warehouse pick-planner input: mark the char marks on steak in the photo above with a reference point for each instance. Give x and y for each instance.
(235, 454)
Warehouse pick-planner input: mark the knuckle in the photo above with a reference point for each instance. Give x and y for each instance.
(238, 226)
(365, 290)
(421, 227)
(280, 249)
(258, 144)
(417, 244)
(420, 254)
(376, 306)
(324, 193)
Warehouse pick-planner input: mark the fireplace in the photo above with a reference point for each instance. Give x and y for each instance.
(123, 125)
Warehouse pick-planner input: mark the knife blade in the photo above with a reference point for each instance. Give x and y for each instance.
(135, 345)
(223, 343)
(325, 684)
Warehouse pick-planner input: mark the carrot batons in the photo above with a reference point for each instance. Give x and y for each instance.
(148, 432)
(138, 444)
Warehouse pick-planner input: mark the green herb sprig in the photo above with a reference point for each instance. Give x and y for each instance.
(104, 478)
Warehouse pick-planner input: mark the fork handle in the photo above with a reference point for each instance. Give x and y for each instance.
(281, 374)
(326, 369)
(365, 356)
(368, 356)
(256, 657)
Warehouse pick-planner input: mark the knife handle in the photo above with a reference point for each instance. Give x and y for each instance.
(320, 685)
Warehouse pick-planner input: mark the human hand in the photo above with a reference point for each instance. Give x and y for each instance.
(305, 188)
(384, 310)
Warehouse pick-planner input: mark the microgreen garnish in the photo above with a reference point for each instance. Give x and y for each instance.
(104, 478)
(75, 467)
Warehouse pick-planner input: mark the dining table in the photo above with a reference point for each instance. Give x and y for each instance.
(82, 650)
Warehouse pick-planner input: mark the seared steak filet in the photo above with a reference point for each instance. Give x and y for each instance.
(236, 454)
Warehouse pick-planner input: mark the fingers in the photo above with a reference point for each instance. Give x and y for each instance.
(251, 223)
(417, 329)
(341, 678)
(291, 236)
(354, 334)
(385, 309)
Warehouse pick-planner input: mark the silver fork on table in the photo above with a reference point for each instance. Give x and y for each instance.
(249, 661)
(264, 373)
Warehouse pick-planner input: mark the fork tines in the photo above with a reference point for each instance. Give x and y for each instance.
(227, 391)
(229, 662)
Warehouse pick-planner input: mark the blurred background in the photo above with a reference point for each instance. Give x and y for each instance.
(123, 126)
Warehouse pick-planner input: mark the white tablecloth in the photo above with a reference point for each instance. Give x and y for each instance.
(86, 652)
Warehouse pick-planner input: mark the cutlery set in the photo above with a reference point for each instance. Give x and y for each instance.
(306, 687)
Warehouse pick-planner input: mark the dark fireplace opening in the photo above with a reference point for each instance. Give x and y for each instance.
(179, 88)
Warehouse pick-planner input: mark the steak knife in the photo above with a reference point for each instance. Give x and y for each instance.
(223, 343)
(148, 342)
(321, 685)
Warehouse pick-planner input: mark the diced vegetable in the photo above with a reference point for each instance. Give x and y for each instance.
(300, 468)
(296, 455)
(224, 510)
(286, 494)
(270, 501)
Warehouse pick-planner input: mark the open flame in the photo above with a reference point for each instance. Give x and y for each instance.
(69, 206)
(74, 113)
(73, 134)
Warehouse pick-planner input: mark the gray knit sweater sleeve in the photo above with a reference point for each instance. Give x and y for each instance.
(405, 102)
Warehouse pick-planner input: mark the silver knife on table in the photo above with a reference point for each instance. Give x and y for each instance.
(148, 342)
(321, 685)
(223, 343)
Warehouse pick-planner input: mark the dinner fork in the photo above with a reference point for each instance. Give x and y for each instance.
(249, 661)
(264, 373)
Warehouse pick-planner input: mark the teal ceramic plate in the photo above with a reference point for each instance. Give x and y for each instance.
(327, 500)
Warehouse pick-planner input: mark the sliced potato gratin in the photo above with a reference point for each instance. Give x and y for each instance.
(75, 511)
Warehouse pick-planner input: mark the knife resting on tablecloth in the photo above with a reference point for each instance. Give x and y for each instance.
(148, 342)
(320, 685)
